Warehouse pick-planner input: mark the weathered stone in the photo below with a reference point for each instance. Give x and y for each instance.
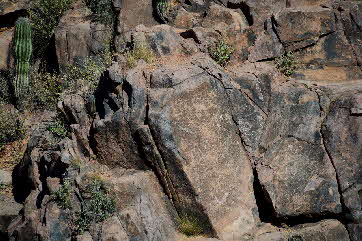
(6, 38)
(9, 209)
(5, 177)
(298, 28)
(114, 143)
(342, 134)
(84, 237)
(76, 37)
(144, 211)
(331, 230)
(355, 231)
(10, 6)
(224, 20)
(299, 179)
(112, 230)
(187, 123)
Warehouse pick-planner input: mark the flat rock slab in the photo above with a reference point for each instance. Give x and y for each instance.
(202, 152)
(299, 179)
(342, 130)
(331, 230)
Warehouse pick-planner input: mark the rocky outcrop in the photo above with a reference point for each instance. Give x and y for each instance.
(245, 152)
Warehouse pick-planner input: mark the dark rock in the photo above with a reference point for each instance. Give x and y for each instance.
(77, 38)
(298, 28)
(299, 179)
(342, 134)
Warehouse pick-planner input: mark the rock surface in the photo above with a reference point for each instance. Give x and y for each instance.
(243, 151)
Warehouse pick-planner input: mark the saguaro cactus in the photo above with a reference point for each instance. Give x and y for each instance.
(22, 53)
(162, 8)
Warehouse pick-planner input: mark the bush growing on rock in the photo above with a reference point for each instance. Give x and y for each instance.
(287, 64)
(103, 11)
(97, 208)
(11, 125)
(221, 52)
(63, 195)
(45, 15)
(138, 52)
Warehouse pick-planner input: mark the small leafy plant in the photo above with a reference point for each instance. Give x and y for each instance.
(138, 52)
(221, 52)
(63, 195)
(46, 89)
(287, 63)
(190, 225)
(58, 128)
(97, 208)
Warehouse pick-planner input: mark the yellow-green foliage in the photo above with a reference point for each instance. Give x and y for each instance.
(63, 195)
(45, 15)
(287, 64)
(86, 74)
(190, 225)
(140, 51)
(46, 89)
(221, 52)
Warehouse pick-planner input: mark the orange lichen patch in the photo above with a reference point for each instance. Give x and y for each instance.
(4, 29)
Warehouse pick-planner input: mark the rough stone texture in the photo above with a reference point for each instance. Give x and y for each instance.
(297, 29)
(299, 179)
(205, 167)
(9, 209)
(331, 230)
(76, 37)
(5, 177)
(112, 230)
(144, 211)
(224, 20)
(355, 231)
(342, 133)
(6, 38)
(9, 6)
(114, 144)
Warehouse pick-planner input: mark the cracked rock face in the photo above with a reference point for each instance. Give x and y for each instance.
(248, 153)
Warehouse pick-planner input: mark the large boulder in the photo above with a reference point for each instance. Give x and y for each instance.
(77, 37)
(342, 131)
(296, 174)
(188, 116)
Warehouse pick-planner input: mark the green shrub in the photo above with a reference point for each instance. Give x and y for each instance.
(63, 195)
(190, 225)
(103, 11)
(58, 128)
(221, 52)
(11, 125)
(87, 73)
(45, 16)
(22, 53)
(46, 89)
(287, 64)
(138, 52)
(97, 208)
